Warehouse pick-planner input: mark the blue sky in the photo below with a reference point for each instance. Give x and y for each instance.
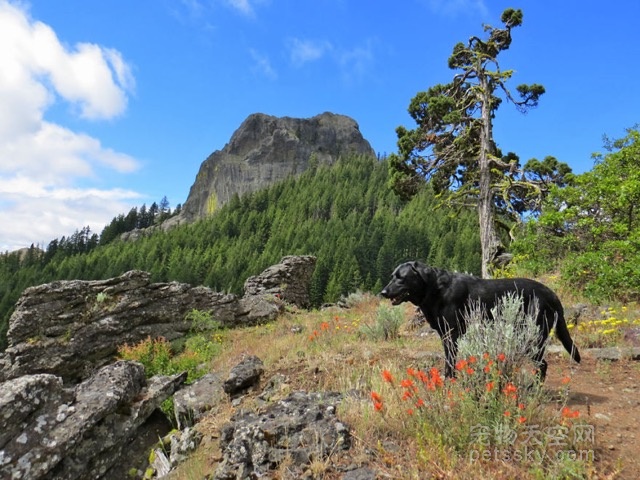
(106, 105)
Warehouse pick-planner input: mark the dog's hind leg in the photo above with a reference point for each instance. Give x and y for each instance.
(541, 362)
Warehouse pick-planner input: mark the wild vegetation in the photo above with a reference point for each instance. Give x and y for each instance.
(589, 230)
(345, 215)
(405, 418)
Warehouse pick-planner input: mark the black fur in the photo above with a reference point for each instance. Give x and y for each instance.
(444, 296)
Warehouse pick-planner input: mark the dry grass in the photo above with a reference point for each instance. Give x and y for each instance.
(323, 351)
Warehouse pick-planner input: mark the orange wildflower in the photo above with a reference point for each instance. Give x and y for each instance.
(423, 377)
(507, 413)
(461, 365)
(522, 419)
(324, 326)
(568, 413)
(407, 383)
(409, 411)
(510, 389)
(472, 359)
(420, 403)
(502, 357)
(566, 379)
(485, 356)
(377, 406)
(386, 376)
(436, 379)
(411, 372)
(376, 397)
(470, 371)
(489, 386)
(407, 395)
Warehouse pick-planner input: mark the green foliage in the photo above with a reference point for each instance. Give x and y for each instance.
(202, 321)
(453, 148)
(158, 357)
(344, 215)
(492, 405)
(590, 229)
(387, 324)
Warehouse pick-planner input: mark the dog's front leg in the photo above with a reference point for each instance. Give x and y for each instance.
(450, 344)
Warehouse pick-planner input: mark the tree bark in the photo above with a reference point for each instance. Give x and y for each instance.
(489, 241)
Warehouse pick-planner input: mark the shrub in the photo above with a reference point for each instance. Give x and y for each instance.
(493, 405)
(387, 323)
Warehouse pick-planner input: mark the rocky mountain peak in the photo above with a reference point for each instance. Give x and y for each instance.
(266, 149)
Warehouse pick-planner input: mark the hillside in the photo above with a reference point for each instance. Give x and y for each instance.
(345, 215)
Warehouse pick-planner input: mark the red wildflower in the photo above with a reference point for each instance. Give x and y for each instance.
(522, 419)
(436, 379)
(566, 379)
(407, 383)
(568, 413)
(387, 377)
(377, 406)
(472, 359)
(419, 403)
(510, 390)
(502, 357)
(470, 371)
(423, 377)
(407, 395)
(461, 365)
(411, 372)
(376, 397)
(507, 413)
(489, 386)
(485, 356)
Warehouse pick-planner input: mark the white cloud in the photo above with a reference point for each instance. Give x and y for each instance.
(354, 63)
(42, 163)
(242, 6)
(304, 51)
(262, 65)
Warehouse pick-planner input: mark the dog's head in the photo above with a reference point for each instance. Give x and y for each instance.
(408, 283)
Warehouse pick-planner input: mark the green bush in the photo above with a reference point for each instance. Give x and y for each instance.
(386, 325)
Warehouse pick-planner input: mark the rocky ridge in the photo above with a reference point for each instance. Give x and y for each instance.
(68, 410)
(266, 149)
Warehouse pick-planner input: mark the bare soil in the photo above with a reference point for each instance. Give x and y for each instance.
(607, 394)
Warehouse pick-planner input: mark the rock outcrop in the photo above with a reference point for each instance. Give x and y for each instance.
(67, 411)
(267, 149)
(289, 280)
(70, 328)
(54, 432)
(301, 428)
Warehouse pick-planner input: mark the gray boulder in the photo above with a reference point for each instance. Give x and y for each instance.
(53, 432)
(193, 401)
(301, 428)
(244, 375)
(288, 280)
(68, 328)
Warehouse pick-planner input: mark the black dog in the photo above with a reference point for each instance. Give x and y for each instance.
(444, 297)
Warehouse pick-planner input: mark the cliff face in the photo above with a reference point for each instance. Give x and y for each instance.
(267, 149)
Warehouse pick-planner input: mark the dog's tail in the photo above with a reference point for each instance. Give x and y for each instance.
(562, 332)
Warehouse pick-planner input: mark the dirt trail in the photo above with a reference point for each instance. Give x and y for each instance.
(607, 394)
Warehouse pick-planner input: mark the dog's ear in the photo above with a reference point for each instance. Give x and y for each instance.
(425, 272)
(443, 279)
